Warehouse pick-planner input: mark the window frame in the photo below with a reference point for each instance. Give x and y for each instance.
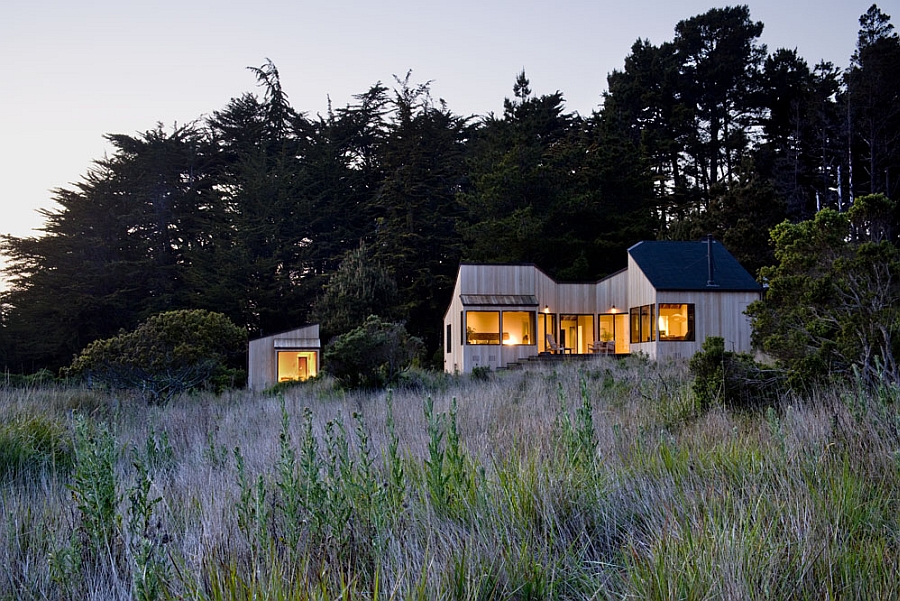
(532, 327)
(639, 316)
(691, 330)
(488, 335)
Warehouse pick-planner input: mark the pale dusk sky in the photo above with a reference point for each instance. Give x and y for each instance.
(74, 71)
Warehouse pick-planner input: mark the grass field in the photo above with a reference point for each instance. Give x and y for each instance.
(596, 480)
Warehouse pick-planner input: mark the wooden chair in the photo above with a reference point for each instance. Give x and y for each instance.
(604, 348)
(555, 348)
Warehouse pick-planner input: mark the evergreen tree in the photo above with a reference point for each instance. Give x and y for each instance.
(417, 206)
(115, 251)
(517, 173)
(719, 61)
(254, 265)
(359, 288)
(873, 105)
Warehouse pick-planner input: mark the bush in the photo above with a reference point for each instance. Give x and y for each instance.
(360, 287)
(40, 378)
(166, 355)
(31, 445)
(372, 355)
(731, 379)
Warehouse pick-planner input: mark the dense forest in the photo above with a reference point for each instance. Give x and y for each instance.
(250, 210)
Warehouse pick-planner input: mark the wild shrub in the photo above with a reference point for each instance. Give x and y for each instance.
(94, 485)
(372, 355)
(360, 287)
(481, 373)
(30, 445)
(168, 354)
(731, 379)
(146, 541)
(41, 377)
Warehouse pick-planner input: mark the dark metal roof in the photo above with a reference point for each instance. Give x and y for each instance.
(506, 300)
(686, 266)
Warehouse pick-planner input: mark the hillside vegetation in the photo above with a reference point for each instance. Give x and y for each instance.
(593, 480)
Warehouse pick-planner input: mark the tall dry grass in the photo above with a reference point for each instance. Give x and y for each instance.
(581, 480)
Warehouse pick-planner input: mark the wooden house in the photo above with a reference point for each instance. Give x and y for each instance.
(665, 303)
(291, 355)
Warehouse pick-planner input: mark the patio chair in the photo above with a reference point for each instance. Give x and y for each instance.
(603, 348)
(555, 348)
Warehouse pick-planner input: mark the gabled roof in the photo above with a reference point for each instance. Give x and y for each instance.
(686, 266)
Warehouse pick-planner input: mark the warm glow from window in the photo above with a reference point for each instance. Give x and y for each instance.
(576, 332)
(676, 321)
(518, 327)
(297, 365)
(482, 327)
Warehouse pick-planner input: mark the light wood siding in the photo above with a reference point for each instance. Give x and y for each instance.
(640, 292)
(453, 361)
(260, 364)
(490, 280)
(576, 298)
(613, 292)
(715, 314)
(496, 279)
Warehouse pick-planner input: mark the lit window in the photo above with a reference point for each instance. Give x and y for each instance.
(297, 365)
(576, 332)
(518, 327)
(482, 327)
(676, 321)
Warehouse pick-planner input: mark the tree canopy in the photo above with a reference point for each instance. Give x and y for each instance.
(251, 210)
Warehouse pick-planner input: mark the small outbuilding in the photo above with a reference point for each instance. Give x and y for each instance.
(291, 355)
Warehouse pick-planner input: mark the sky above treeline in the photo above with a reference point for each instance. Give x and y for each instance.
(74, 71)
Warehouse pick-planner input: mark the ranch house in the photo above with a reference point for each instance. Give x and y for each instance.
(664, 304)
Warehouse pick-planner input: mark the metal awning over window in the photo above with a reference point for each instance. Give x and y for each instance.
(500, 300)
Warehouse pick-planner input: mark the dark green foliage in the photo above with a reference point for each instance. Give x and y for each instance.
(94, 486)
(482, 373)
(372, 355)
(30, 446)
(251, 210)
(730, 379)
(417, 206)
(42, 377)
(360, 287)
(166, 355)
(833, 302)
(873, 105)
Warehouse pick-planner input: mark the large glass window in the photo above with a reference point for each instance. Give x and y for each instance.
(576, 332)
(546, 327)
(635, 314)
(642, 324)
(607, 327)
(297, 365)
(482, 327)
(676, 321)
(518, 327)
